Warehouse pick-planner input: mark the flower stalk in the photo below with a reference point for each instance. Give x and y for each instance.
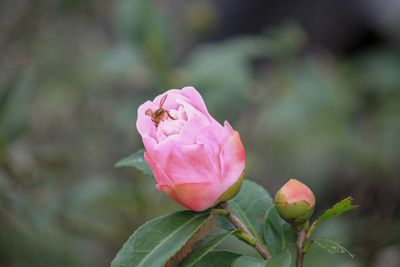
(301, 236)
(295, 203)
(245, 233)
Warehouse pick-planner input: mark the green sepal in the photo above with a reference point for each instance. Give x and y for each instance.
(297, 214)
(232, 191)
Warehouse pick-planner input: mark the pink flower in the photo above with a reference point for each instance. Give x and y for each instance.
(194, 159)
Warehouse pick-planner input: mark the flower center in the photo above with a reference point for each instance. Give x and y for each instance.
(168, 126)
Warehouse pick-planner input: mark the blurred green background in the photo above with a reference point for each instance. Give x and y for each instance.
(313, 87)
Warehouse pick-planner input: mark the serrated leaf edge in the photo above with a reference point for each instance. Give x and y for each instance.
(342, 248)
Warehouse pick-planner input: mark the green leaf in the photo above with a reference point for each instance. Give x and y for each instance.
(277, 233)
(248, 262)
(218, 259)
(250, 206)
(331, 246)
(204, 247)
(135, 160)
(283, 259)
(338, 209)
(162, 239)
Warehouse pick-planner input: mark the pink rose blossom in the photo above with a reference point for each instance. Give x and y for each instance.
(194, 159)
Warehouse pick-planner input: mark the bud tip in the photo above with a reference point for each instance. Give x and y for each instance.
(295, 203)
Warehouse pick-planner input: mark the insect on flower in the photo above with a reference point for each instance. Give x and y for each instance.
(159, 114)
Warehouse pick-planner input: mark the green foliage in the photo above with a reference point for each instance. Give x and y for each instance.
(135, 160)
(250, 206)
(338, 209)
(248, 261)
(333, 247)
(218, 259)
(204, 248)
(277, 233)
(156, 242)
(283, 259)
(170, 238)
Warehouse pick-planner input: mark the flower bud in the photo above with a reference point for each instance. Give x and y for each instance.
(295, 203)
(195, 160)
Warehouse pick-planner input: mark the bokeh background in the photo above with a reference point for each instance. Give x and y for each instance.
(312, 86)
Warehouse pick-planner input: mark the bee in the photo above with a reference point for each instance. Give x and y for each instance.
(159, 114)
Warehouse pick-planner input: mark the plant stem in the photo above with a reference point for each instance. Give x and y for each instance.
(309, 232)
(231, 216)
(312, 228)
(299, 245)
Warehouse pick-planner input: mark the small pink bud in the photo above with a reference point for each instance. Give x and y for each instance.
(295, 203)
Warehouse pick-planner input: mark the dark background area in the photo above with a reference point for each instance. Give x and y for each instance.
(312, 86)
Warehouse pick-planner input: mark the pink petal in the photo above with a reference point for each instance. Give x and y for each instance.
(193, 163)
(233, 159)
(296, 191)
(158, 172)
(191, 111)
(193, 128)
(149, 143)
(194, 196)
(171, 101)
(144, 125)
(194, 98)
(170, 127)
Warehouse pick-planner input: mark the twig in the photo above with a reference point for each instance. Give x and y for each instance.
(309, 232)
(299, 245)
(246, 234)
